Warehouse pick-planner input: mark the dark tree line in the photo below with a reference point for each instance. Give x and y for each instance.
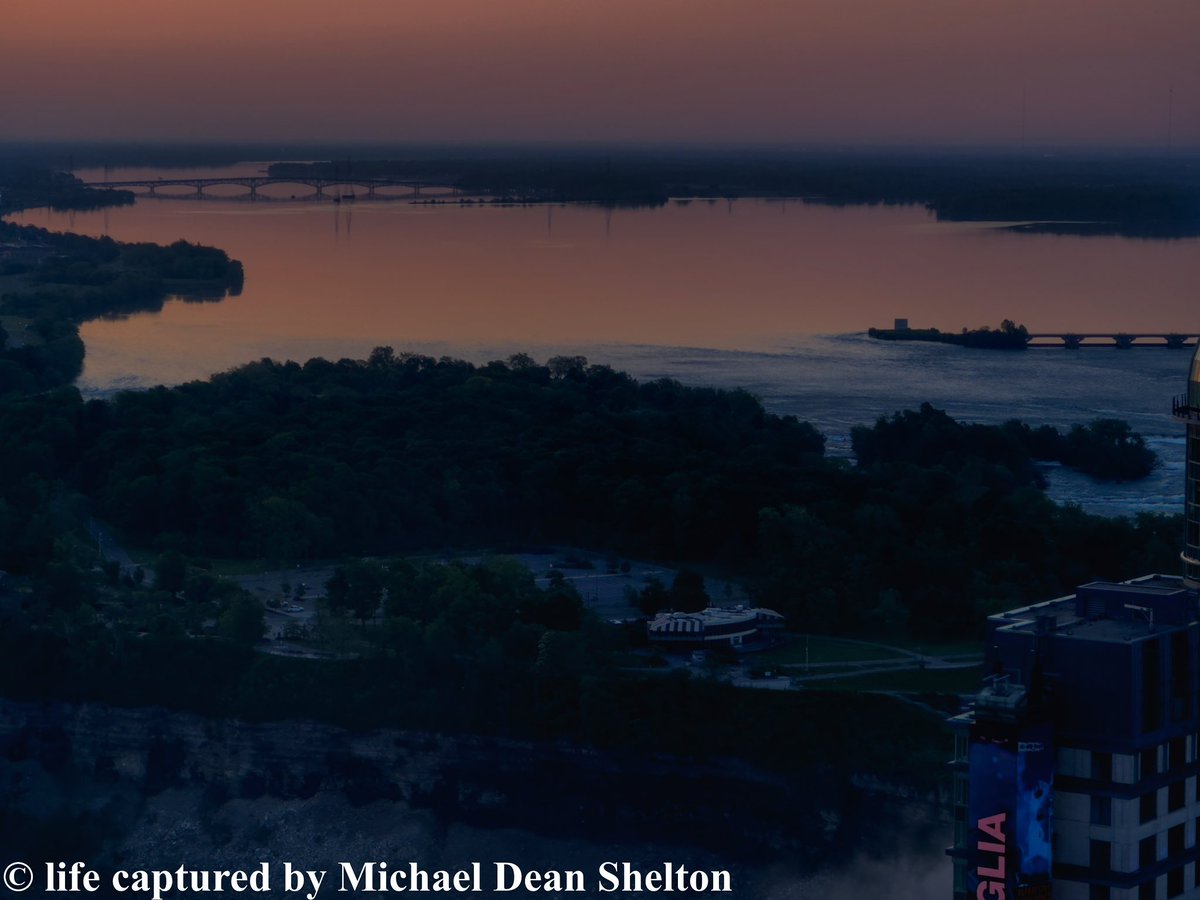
(65, 279)
(1105, 448)
(407, 452)
(939, 524)
(1009, 336)
(24, 185)
(1144, 197)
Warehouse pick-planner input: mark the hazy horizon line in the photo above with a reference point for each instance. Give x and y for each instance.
(1142, 150)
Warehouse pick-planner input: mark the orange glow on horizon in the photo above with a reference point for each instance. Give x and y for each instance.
(845, 71)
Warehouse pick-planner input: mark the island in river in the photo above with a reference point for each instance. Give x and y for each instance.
(1009, 336)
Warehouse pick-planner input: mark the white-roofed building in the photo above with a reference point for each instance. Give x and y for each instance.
(715, 626)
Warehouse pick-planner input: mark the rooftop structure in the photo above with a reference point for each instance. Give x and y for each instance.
(714, 626)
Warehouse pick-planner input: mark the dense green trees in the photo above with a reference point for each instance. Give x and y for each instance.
(243, 620)
(1009, 336)
(23, 185)
(687, 592)
(408, 452)
(1106, 448)
(939, 524)
(356, 588)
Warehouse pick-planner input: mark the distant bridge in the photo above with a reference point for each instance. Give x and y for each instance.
(1119, 339)
(320, 188)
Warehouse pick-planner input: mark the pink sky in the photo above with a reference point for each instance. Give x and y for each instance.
(797, 71)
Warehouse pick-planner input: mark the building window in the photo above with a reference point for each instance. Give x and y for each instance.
(1176, 795)
(1101, 810)
(1175, 882)
(1148, 851)
(1100, 892)
(1146, 890)
(1175, 837)
(1100, 856)
(1148, 807)
(1102, 767)
(1177, 753)
(1149, 762)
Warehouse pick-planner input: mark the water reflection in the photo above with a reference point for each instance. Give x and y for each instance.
(725, 275)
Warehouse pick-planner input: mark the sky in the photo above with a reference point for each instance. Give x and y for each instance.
(1120, 73)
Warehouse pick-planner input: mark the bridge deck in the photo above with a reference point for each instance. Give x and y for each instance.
(1121, 340)
(260, 180)
(371, 188)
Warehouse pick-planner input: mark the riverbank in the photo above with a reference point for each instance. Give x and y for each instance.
(51, 282)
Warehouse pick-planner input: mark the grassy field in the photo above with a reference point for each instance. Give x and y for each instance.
(917, 681)
(801, 649)
(938, 648)
(638, 661)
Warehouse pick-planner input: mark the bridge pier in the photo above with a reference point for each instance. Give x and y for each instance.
(1123, 341)
(1175, 341)
(1072, 341)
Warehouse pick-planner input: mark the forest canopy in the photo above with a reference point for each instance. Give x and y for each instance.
(938, 525)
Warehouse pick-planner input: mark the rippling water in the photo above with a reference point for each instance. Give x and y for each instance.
(840, 381)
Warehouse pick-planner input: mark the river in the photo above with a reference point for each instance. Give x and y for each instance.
(771, 296)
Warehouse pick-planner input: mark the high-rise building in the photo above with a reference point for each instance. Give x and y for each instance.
(1187, 408)
(1075, 772)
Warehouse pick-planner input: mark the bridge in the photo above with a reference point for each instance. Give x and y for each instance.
(1121, 340)
(320, 188)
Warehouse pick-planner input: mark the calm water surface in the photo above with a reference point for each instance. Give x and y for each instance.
(766, 295)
